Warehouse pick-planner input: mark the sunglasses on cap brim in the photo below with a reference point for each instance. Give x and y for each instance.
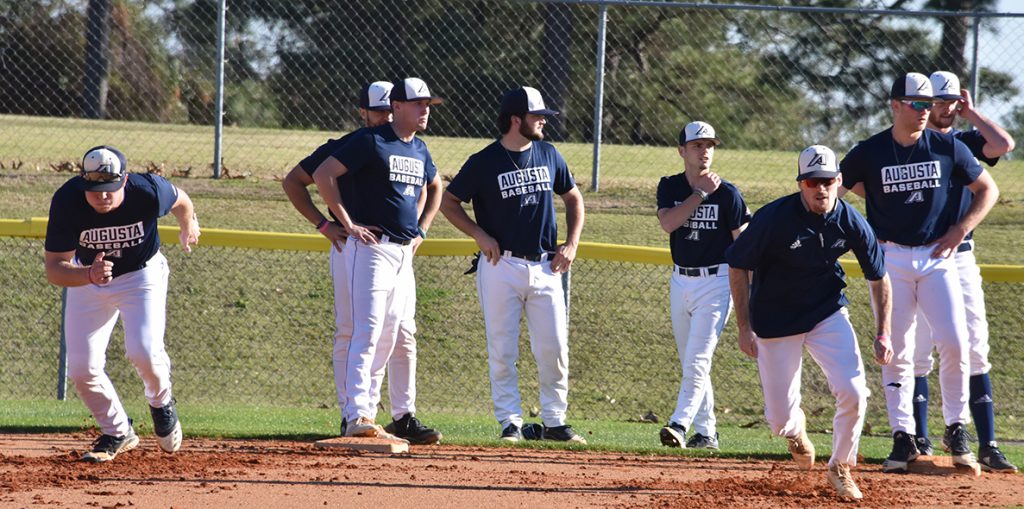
(101, 175)
(918, 105)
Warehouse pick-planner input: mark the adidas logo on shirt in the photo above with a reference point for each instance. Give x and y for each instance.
(795, 245)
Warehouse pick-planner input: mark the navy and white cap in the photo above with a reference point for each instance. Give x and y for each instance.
(413, 89)
(104, 169)
(698, 131)
(946, 86)
(523, 100)
(817, 161)
(912, 85)
(376, 96)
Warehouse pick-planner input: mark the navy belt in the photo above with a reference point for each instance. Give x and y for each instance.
(530, 257)
(383, 237)
(963, 248)
(697, 271)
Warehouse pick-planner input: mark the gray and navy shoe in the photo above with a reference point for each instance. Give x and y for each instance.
(955, 442)
(167, 426)
(904, 450)
(993, 460)
(924, 446)
(562, 434)
(512, 433)
(107, 447)
(673, 435)
(698, 441)
(411, 429)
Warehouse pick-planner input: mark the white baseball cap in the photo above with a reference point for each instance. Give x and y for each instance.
(103, 169)
(817, 161)
(912, 85)
(413, 89)
(945, 85)
(376, 96)
(698, 131)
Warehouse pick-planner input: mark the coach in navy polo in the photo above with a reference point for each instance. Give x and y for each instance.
(797, 300)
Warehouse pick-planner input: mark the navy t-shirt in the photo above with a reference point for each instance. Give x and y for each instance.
(388, 175)
(127, 235)
(908, 188)
(314, 160)
(976, 143)
(701, 241)
(512, 194)
(797, 282)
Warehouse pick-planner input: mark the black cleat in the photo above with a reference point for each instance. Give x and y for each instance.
(992, 460)
(904, 450)
(411, 429)
(673, 435)
(698, 441)
(562, 434)
(512, 433)
(955, 441)
(924, 446)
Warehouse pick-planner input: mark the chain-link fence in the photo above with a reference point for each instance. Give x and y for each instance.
(769, 79)
(236, 338)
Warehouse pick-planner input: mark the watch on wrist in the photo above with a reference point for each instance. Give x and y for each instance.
(700, 194)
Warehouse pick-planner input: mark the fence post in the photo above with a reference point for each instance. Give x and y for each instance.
(974, 59)
(602, 25)
(218, 129)
(62, 357)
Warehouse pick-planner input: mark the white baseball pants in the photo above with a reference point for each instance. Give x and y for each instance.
(700, 307)
(400, 363)
(977, 323)
(140, 298)
(933, 286)
(505, 290)
(374, 280)
(833, 345)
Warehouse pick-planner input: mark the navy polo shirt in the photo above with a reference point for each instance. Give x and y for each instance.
(388, 175)
(701, 241)
(513, 194)
(127, 235)
(797, 282)
(908, 188)
(313, 161)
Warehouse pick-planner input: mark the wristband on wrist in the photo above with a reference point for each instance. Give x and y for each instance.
(322, 224)
(422, 232)
(700, 194)
(881, 337)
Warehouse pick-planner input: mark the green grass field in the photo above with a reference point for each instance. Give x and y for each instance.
(249, 329)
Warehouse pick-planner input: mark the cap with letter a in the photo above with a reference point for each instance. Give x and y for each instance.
(946, 86)
(413, 89)
(698, 131)
(523, 100)
(376, 96)
(104, 168)
(817, 161)
(912, 85)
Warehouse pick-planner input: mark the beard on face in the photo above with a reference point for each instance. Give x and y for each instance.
(524, 129)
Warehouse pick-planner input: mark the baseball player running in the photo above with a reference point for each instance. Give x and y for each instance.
(102, 244)
(396, 194)
(906, 175)
(374, 110)
(702, 214)
(988, 141)
(510, 183)
(796, 300)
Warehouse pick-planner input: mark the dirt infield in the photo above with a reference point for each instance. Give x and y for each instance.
(44, 470)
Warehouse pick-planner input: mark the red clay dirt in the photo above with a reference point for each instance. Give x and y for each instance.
(43, 470)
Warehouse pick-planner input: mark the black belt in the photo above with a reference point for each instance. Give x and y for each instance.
(530, 257)
(966, 246)
(383, 237)
(696, 271)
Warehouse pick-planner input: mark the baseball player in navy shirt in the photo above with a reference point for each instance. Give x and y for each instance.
(396, 191)
(102, 244)
(988, 142)
(907, 175)
(796, 300)
(374, 110)
(512, 183)
(702, 215)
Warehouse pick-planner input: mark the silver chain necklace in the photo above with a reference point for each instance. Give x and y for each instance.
(529, 159)
(897, 157)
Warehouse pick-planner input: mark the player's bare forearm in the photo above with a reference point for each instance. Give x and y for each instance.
(295, 186)
(432, 203)
(574, 215)
(326, 179)
(673, 218)
(858, 189)
(986, 193)
(881, 296)
(62, 271)
(451, 207)
(739, 286)
(998, 142)
(184, 211)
